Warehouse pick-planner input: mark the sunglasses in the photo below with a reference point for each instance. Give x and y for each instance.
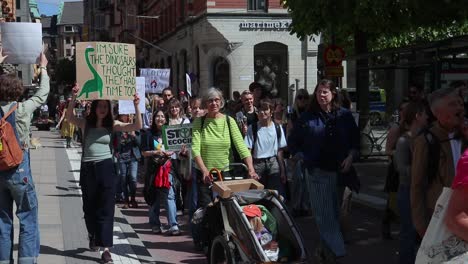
(301, 97)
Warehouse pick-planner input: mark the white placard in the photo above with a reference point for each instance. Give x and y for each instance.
(22, 42)
(189, 84)
(126, 106)
(156, 79)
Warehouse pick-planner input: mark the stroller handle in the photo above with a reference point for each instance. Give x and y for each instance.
(236, 164)
(218, 172)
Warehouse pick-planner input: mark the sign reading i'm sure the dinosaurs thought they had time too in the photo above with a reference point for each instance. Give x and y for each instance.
(105, 70)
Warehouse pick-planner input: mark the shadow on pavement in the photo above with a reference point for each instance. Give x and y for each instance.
(65, 195)
(75, 253)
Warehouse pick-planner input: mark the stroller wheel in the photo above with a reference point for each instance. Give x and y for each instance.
(221, 252)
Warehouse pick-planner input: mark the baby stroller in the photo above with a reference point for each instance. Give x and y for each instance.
(228, 233)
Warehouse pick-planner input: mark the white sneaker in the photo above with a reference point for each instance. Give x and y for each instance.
(174, 230)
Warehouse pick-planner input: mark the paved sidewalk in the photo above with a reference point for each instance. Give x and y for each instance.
(64, 237)
(63, 232)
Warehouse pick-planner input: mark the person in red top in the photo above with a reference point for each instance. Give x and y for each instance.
(457, 211)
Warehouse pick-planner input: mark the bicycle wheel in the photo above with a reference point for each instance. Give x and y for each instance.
(367, 145)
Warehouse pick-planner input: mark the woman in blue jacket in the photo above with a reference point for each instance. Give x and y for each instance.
(329, 139)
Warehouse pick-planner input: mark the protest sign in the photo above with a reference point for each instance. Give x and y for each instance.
(126, 106)
(156, 79)
(22, 42)
(177, 135)
(105, 70)
(189, 84)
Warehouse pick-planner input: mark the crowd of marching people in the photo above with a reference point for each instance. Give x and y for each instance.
(306, 155)
(250, 128)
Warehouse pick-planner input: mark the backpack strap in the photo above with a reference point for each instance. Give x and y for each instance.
(12, 109)
(202, 121)
(433, 154)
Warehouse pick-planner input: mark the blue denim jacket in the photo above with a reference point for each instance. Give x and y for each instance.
(135, 144)
(308, 137)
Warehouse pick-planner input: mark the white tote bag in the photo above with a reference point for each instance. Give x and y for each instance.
(439, 245)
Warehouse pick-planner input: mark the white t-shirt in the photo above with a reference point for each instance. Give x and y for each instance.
(456, 146)
(267, 142)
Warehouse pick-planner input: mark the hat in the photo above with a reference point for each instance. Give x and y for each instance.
(252, 211)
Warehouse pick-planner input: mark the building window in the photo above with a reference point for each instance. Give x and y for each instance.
(18, 19)
(68, 52)
(68, 29)
(257, 5)
(18, 4)
(67, 40)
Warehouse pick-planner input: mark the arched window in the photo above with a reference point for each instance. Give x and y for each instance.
(221, 75)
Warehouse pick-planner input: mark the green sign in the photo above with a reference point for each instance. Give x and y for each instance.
(175, 136)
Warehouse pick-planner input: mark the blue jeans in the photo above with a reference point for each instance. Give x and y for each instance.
(128, 177)
(17, 186)
(322, 187)
(193, 205)
(407, 230)
(168, 196)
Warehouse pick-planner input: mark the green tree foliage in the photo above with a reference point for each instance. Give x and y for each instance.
(387, 23)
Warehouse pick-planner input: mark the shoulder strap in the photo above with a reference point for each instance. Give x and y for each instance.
(12, 109)
(433, 154)
(202, 121)
(278, 133)
(254, 134)
(182, 121)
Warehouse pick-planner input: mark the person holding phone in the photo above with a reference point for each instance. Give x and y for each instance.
(160, 174)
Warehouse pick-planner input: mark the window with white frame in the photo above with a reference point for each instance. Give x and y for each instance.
(68, 40)
(68, 52)
(68, 28)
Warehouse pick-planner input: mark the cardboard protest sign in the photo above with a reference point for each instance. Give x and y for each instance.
(156, 79)
(22, 42)
(177, 135)
(126, 106)
(105, 70)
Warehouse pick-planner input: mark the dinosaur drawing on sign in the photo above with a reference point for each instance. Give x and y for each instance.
(95, 84)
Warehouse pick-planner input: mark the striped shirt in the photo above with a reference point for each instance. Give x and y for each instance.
(213, 142)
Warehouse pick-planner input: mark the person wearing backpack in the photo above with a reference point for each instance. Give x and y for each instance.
(414, 120)
(16, 182)
(266, 141)
(435, 154)
(97, 175)
(215, 139)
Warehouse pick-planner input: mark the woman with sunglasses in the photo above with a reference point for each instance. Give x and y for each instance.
(299, 198)
(300, 105)
(329, 140)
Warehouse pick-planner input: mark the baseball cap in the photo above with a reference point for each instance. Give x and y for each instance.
(252, 210)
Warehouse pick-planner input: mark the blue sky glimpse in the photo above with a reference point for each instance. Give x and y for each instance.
(50, 7)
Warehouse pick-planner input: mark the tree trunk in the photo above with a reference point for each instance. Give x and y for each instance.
(362, 78)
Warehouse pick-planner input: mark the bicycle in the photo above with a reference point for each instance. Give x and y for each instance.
(371, 142)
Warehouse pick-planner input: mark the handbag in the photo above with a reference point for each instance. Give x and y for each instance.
(439, 245)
